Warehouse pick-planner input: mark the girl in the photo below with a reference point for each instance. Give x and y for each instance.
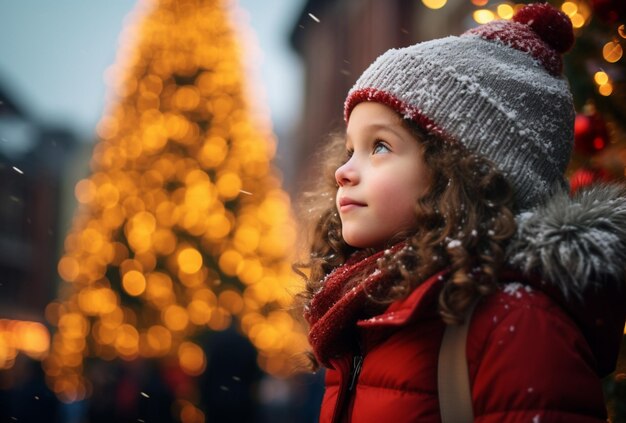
(450, 193)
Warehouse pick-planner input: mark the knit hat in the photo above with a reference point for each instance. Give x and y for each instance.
(497, 89)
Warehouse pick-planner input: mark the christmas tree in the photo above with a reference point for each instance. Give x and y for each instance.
(182, 226)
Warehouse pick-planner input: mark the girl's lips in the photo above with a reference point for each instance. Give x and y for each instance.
(348, 207)
(346, 204)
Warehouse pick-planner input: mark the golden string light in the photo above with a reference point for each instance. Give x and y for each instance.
(603, 82)
(183, 225)
(578, 12)
(30, 338)
(434, 4)
(612, 51)
(483, 16)
(505, 11)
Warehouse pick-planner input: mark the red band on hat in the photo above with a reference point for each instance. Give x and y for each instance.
(407, 111)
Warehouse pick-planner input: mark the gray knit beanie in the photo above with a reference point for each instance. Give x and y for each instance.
(497, 89)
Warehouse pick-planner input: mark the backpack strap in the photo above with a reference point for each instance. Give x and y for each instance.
(455, 397)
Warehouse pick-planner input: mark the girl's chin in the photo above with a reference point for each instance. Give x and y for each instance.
(363, 244)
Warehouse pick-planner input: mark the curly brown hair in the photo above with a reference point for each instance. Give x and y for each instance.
(465, 221)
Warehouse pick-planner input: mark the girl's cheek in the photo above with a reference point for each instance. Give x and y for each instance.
(389, 189)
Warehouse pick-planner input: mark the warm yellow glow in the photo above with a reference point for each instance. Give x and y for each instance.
(85, 191)
(601, 77)
(187, 98)
(107, 195)
(569, 8)
(218, 226)
(250, 271)
(159, 339)
(189, 260)
(91, 240)
(247, 238)
(134, 283)
(190, 414)
(164, 241)
(200, 195)
(606, 89)
(231, 301)
(229, 261)
(86, 302)
(107, 127)
(30, 338)
(7, 354)
(103, 334)
(612, 51)
(113, 319)
(147, 259)
(434, 4)
(220, 319)
(175, 318)
(167, 213)
(213, 152)
(483, 16)
(191, 358)
(73, 325)
(159, 289)
(68, 268)
(229, 185)
(112, 218)
(621, 30)
(480, 2)
(127, 341)
(193, 280)
(505, 11)
(199, 312)
(578, 20)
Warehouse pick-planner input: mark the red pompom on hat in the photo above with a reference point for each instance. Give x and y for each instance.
(552, 25)
(538, 29)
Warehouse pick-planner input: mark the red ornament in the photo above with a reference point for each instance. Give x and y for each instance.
(590, 134)
(586, 176)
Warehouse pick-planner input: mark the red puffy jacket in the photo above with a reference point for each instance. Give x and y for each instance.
(536, 350)
(527, 360)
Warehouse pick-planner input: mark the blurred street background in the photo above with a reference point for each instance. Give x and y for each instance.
(151, 155)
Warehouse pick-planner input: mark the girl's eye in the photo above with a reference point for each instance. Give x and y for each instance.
(348, 154)
(380, 148)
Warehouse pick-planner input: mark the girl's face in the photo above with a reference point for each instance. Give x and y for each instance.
(383, 178)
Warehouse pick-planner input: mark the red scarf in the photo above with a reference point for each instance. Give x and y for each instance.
(342, 301)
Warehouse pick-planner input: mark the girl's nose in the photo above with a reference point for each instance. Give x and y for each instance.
(346, 174)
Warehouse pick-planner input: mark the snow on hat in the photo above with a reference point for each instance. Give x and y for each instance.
(497, 89)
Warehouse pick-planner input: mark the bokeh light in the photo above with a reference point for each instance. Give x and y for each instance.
(483, 16)
(612, 51)
(434, 4)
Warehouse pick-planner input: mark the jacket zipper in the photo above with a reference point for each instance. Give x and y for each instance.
(345, 397)
(357, 363)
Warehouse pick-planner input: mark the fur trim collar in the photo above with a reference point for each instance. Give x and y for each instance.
(575, 244)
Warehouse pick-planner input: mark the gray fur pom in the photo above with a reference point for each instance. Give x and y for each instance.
(574, 243)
